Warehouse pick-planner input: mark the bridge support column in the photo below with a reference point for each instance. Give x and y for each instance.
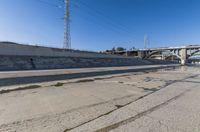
(183, 56)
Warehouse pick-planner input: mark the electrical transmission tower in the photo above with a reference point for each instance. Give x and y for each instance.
(67, 36)
(146, 41)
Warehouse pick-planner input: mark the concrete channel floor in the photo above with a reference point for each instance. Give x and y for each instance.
(163, 100)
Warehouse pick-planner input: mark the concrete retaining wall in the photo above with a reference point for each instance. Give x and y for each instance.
(23, 57)
(36, 62)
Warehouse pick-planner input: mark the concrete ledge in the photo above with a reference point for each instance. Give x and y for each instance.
(27, 77)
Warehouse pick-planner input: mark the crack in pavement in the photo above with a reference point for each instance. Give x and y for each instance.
(20, 89)
(191, 81)
(109, 112)
(145, 112)
(80, 108)
(121, 123)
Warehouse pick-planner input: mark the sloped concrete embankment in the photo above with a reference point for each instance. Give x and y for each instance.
(38, 63)
(26, 57)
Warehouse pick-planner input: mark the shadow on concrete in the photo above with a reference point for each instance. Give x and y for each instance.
(47, 78)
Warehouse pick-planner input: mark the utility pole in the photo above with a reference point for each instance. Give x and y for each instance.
(67, 36)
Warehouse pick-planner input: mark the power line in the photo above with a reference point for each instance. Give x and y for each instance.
(98, 22)
(104, 18)
(50, 4)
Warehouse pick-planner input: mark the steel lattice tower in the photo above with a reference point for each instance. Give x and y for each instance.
(146, 41)
(67, 36)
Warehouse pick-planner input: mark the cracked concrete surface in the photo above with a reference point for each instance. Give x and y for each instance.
(181, 115)
(144, 101)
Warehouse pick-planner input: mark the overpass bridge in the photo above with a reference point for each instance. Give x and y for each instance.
(181, 54)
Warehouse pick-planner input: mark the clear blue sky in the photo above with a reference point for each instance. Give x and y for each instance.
(102, 24)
